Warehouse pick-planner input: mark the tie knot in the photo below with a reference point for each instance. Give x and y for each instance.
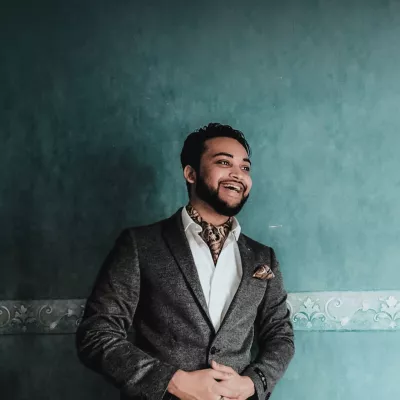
(214, 236)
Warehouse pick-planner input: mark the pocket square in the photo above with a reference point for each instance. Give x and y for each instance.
(263, 272)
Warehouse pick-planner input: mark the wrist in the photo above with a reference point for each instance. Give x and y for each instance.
(175, 383)
(250, 387)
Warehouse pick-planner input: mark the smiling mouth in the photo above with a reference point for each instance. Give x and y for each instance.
(234, 187)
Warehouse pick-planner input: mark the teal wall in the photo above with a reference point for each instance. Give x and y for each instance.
(96, 99)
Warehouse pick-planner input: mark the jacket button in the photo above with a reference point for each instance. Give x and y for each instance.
(214, 350)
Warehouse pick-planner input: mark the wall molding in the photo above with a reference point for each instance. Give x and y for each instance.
(345, 311)
(310, 311)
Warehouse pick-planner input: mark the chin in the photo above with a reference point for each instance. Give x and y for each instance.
(231, 203)
(228, 209)
(232, 206)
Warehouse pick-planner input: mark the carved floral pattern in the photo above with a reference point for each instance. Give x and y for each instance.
(345, 311)
(40, 316)
(310, 311)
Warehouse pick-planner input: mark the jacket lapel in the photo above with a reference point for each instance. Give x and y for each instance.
(174, 236)
(247, 258)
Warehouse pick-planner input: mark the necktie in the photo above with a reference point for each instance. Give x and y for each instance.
(214, 236)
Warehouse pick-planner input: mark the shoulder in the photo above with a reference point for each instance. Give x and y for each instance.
(255, 245)
(154, 229)
(144, 230)
(260, 250)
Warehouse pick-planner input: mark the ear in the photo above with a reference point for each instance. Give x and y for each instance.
(190, 174)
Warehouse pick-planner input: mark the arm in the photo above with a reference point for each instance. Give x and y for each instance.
(275, 336)
(101, 338)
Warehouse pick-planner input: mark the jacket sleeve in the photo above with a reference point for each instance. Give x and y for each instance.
(275, 339)
(101, 338)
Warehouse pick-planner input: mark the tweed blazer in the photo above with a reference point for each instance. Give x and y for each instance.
(149, 284)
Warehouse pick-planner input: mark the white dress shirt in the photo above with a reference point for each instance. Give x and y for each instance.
(219, 282)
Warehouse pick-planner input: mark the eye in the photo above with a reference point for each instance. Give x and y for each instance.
(223, 162)
(246, 168)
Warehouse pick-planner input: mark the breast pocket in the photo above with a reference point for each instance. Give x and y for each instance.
(259, 283)
(256, 290)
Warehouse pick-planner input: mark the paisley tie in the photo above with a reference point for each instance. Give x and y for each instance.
(214, 236)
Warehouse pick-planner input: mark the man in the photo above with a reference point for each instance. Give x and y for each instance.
(197, 292)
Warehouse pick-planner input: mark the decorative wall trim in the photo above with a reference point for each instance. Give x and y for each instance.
(345, 311)
(310, 311)
(40, 316)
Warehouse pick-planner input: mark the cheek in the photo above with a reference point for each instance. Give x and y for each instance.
(249, 184)
(212, 177)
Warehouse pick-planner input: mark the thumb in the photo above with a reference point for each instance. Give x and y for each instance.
(216, 366)
(220, 367)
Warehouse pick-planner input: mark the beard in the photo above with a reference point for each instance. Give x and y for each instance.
(211, 197)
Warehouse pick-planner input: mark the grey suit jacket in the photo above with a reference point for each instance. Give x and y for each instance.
(149, 282)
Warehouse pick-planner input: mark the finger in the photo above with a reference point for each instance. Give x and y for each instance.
(228, 398)
(221, 367)
(226, 392)
(220, 374)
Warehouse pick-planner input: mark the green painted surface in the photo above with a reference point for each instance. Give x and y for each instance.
(96, 98)
(44, 367)
(337, 366)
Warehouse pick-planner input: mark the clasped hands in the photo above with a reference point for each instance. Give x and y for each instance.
(214, 383)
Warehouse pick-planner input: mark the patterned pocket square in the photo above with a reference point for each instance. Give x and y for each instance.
(263, 272)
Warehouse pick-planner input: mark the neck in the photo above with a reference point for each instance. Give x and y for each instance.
(207, 213)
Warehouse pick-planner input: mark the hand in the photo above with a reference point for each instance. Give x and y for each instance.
(200, 385)
(242, 386)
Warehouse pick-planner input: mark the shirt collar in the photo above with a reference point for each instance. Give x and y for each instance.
(188, 223)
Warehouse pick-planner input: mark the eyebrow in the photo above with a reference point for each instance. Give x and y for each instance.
(230, 156)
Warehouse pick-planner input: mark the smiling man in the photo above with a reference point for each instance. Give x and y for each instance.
(198, 292)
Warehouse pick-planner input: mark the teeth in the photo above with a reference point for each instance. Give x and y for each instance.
(232, 187)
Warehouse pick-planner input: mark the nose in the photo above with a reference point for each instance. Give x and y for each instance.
(237, 173)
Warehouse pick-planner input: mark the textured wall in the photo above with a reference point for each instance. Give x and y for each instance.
(96, 98)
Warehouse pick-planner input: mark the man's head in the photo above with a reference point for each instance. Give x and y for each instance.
(216, 166)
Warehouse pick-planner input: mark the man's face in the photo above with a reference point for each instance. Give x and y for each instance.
(224, 180)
